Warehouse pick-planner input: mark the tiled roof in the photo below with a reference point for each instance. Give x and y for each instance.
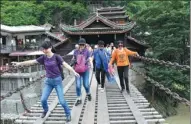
(97, 32)
(56, 36)
(117, 17)
(47, 26)
(110, 8)
(110, 13)
(138, 42)
(81, 28)
(59, 43)
(26, 28)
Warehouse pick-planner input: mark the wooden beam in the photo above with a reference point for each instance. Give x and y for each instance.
(136, 112)
(89, 112)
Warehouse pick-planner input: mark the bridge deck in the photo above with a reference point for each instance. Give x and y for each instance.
(109, 107)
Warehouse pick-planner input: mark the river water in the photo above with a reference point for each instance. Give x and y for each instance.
(183, 116)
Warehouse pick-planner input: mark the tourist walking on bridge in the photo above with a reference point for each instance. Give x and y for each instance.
(100, 56)
(53, 65)
(120, 55)
(82, 60)
(110, 48)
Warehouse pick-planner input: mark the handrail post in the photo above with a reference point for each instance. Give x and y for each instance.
(29, 69)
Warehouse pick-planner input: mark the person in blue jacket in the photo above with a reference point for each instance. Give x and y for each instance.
(100, 56)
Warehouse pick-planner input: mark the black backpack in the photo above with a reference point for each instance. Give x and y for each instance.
(60, 67)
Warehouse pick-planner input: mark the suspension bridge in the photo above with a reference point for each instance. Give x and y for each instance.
(109, 107)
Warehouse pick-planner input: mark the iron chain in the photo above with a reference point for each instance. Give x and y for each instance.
(161, 87)
(20, 88)
(162, 62)
(23, 103)
(14, 68)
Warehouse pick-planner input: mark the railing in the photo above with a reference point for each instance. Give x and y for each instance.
(9, 49)
(27, 47)
(4, 68)
(30, 69)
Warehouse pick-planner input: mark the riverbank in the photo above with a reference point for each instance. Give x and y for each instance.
(182, 117)
(173, 113)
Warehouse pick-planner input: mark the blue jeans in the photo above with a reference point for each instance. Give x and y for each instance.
(56, 83)
(85, 78)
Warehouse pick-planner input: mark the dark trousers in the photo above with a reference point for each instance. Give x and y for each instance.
(94, 68)
(100, 72)
(123, 74)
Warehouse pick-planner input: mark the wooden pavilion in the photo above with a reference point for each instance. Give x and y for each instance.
(108, 24)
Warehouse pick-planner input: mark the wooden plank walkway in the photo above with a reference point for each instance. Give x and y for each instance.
(108, 107)
(136, 113)
(89, 110)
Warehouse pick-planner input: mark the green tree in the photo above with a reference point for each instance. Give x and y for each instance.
(165, 26)
(39, 12)
(19, 13)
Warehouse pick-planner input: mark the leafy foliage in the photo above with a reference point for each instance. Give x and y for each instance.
(40, 12)
(167, 27)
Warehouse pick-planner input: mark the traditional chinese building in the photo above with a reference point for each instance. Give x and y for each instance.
(20, 43)
(108, 24)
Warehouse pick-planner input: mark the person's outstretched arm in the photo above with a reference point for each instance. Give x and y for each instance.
(28, 62)
(66, 65)
(129, 52)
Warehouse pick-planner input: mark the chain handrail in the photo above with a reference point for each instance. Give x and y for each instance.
(162, 62)
(161, 87)
(20, 88)
(23, 103)
(14, 68)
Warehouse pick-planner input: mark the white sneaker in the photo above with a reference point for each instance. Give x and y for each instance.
(102, 90)
(99, 87)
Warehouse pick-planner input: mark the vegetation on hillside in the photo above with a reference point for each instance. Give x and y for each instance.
(164, 25)
(167, 23)
(38, 12)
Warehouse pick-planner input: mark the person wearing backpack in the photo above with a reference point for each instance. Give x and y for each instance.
(82, 59)
(120, 55)
(52, 62)
(100, 56)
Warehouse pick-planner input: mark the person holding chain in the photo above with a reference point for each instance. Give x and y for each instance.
(52, 63)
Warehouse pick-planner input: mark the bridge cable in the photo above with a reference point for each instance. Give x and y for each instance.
(22, 87)
(161, 87)
(162, 62)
